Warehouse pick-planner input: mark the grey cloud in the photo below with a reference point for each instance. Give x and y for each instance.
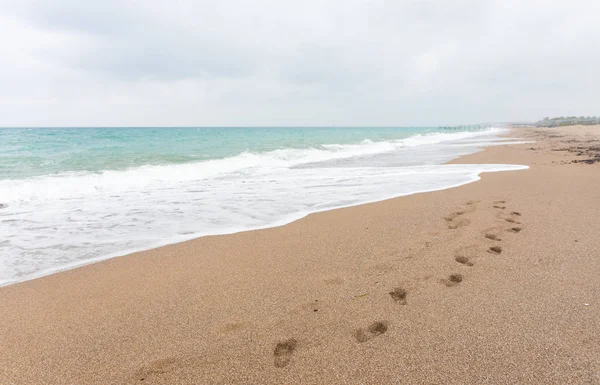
(134, 59)
(130, 44)
(102, 18)
(328, 66)
(284, 63)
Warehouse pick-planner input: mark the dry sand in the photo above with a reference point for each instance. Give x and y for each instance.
(496, 281)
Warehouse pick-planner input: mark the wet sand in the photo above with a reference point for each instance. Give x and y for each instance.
(492, 282)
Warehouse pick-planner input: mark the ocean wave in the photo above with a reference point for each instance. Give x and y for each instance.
(46, 237)
(55, 222)
(79, 184)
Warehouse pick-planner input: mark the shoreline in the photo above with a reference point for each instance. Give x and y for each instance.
(404, 290)
(283, 222)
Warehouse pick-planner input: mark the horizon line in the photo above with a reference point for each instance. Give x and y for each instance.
(274, 126)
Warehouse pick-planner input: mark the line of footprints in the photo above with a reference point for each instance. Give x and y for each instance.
(284, 350)
(511, 218)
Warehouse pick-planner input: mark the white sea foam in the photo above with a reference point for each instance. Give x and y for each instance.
(56, 222)
(72, 185)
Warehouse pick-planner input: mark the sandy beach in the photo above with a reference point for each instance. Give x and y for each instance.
(495, 281)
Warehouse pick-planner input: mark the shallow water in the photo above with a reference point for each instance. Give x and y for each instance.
(74, 196)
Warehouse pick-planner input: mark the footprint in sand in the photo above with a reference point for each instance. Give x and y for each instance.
(498, 202)
(451, 217)
(374, 330)
(493, 237)
(510, 220)
(453, 280)
(454, 222)
(500, 207)
(457, 224)
(283, 352)
(463, 260)
(516, 213)
(514, 229)
(495, 249)
(399, 295)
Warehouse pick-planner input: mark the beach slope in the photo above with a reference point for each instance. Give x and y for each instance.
(491, 282)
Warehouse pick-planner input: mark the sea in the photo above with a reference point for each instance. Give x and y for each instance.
(73, 196)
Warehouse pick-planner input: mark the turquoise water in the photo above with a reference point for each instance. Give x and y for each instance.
(74, 196)
(26, 152)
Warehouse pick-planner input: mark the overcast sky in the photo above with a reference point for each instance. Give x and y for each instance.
(293, 63)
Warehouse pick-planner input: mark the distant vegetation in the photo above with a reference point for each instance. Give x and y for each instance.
(568, 121)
